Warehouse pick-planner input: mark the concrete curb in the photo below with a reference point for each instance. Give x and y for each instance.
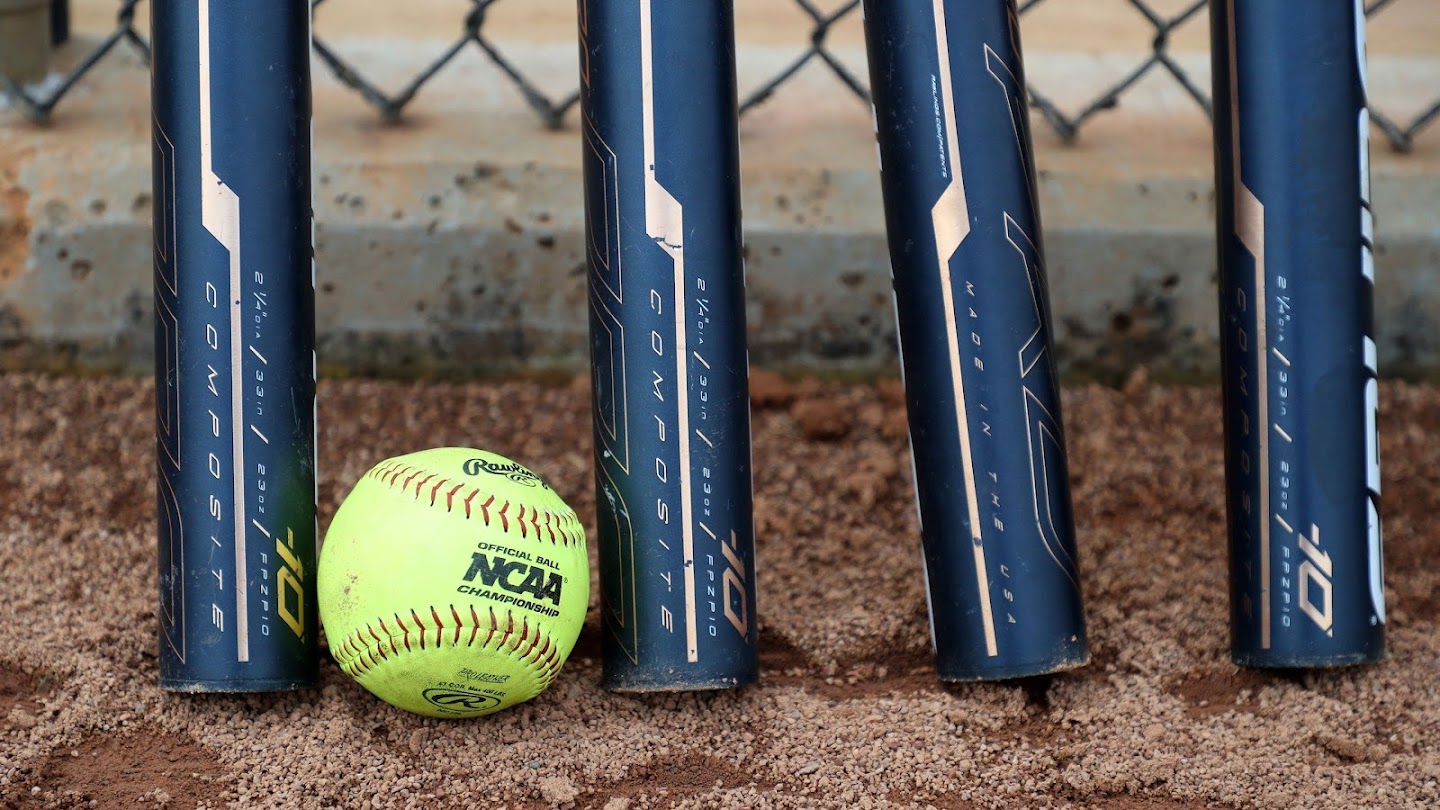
(441, 253)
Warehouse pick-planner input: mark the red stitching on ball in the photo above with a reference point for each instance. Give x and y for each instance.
(368, 658)
(439, 626)
(542, 655)
(373, 634)
(530, 652)
(524, 631)
(559, 528)
(403, 629)
(434, 493)
(494, 626)
(509, 628)
(543, 649)
(419, 624)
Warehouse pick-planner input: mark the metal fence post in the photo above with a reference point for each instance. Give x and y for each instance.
(25, 39)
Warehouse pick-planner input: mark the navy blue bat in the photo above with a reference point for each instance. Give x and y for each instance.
(667, 325)
(234, 338)
(980, 380)
(1297, 278)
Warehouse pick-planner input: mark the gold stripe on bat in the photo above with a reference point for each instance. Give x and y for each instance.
(950, 217)
(1250, 229)
(664, 223)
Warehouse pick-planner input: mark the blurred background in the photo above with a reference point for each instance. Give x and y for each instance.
(447, 182)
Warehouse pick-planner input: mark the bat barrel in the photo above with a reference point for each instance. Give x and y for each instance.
(1296, 314)
(667, 325)
(970, 294)
(234, 333)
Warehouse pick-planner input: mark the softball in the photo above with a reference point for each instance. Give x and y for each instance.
(453, 582)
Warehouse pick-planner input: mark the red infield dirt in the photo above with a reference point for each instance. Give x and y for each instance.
(848, 714)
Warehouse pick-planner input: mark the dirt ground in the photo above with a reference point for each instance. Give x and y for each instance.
(848, 713)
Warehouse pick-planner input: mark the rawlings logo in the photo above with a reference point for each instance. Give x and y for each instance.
(513, 471)
(459, 700)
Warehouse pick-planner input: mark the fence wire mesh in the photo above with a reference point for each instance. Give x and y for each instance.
(39, 102)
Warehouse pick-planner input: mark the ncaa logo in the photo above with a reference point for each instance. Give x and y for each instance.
(459, 700)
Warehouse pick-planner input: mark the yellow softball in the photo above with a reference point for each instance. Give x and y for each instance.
(453, 582)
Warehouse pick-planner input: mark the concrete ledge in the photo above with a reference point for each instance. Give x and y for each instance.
(451, 245)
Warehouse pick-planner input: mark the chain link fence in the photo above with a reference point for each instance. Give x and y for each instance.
(551, 109)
